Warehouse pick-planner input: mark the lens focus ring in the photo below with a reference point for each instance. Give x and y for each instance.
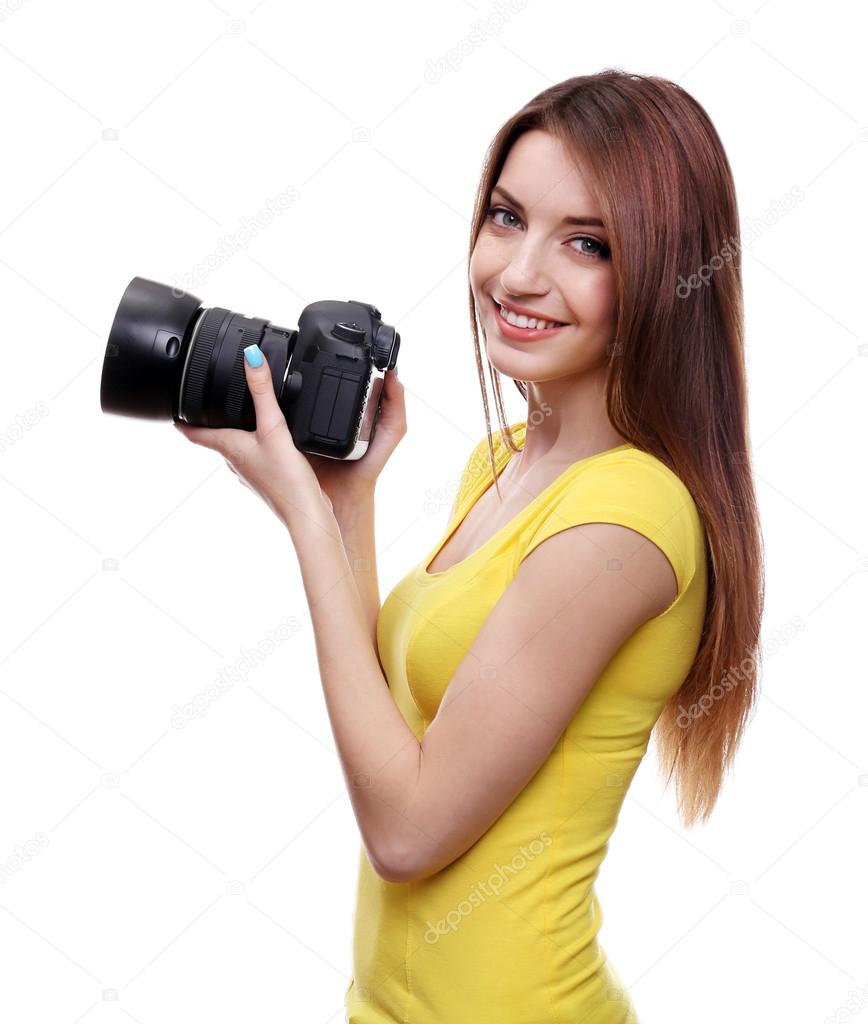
(237, 389)
(197, 372)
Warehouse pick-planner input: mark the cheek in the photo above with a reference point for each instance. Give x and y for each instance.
(592, 296)
(473, 271)
(490, 255)
(482, 270)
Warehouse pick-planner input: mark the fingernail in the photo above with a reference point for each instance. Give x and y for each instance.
(253, 355)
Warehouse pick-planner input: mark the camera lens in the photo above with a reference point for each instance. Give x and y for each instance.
(168, 357)
(213, 389)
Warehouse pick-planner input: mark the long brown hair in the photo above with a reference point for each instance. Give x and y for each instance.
(676, 386)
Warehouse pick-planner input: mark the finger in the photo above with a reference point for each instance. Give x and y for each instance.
(268, 413)
(393, 384)
(235, 472)
(394, 411)
(223, 439)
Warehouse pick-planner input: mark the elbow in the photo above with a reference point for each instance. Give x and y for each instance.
(392, 874)
(395, 865)
(410, 865)
(397, 858)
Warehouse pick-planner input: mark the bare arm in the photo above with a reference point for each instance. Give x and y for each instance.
(421, 805)
(378, 752)
(354, 514)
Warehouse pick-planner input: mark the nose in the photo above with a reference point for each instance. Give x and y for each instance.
(524, 274)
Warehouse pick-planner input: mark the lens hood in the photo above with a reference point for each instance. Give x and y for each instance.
(147, 344)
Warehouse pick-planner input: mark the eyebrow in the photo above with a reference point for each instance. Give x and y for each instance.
(581, 221)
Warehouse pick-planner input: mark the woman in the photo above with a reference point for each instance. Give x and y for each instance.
(601, 575)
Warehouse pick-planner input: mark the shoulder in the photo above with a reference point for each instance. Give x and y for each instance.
(635, 480)
(629, 488)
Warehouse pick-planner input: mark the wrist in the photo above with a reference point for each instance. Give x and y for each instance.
(348, 499)
(305, 509)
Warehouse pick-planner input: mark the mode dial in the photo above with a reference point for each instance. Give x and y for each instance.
(349, 332)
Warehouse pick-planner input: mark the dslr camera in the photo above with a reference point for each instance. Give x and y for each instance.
(169, 357)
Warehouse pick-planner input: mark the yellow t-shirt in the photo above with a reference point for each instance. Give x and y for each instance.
(507, 933)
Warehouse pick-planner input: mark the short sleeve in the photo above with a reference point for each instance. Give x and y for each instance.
(633, 489)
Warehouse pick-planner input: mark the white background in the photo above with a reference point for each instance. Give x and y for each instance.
(208, 872)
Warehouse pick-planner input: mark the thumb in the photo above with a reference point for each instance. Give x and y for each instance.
(258, 373)
(393, 410)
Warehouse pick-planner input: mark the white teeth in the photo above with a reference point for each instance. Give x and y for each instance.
(520, 320)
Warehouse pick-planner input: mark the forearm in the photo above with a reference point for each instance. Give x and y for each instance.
(354, 513)
(379, 754)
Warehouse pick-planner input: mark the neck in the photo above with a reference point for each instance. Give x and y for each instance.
(567, 419)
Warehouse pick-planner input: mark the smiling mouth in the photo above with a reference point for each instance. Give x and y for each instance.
(552, 325)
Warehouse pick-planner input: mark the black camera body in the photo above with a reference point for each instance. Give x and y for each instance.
(169, 357)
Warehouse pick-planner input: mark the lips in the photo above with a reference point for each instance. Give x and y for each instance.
(521, 334)
(526, 311)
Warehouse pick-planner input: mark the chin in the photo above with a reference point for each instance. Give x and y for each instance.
(520, 365)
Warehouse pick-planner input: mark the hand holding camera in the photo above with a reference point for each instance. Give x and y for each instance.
(168, 357)
(265, 459)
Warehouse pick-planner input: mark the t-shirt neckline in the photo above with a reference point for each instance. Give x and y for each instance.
(486, 481)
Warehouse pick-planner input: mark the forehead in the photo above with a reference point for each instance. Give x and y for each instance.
(541, 174)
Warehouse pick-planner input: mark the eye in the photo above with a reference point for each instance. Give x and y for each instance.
(494, 210)
(601, 253)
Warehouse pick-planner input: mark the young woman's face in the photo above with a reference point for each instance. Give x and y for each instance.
(526, 255)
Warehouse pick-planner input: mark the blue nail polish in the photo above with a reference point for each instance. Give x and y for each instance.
(253, 355)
